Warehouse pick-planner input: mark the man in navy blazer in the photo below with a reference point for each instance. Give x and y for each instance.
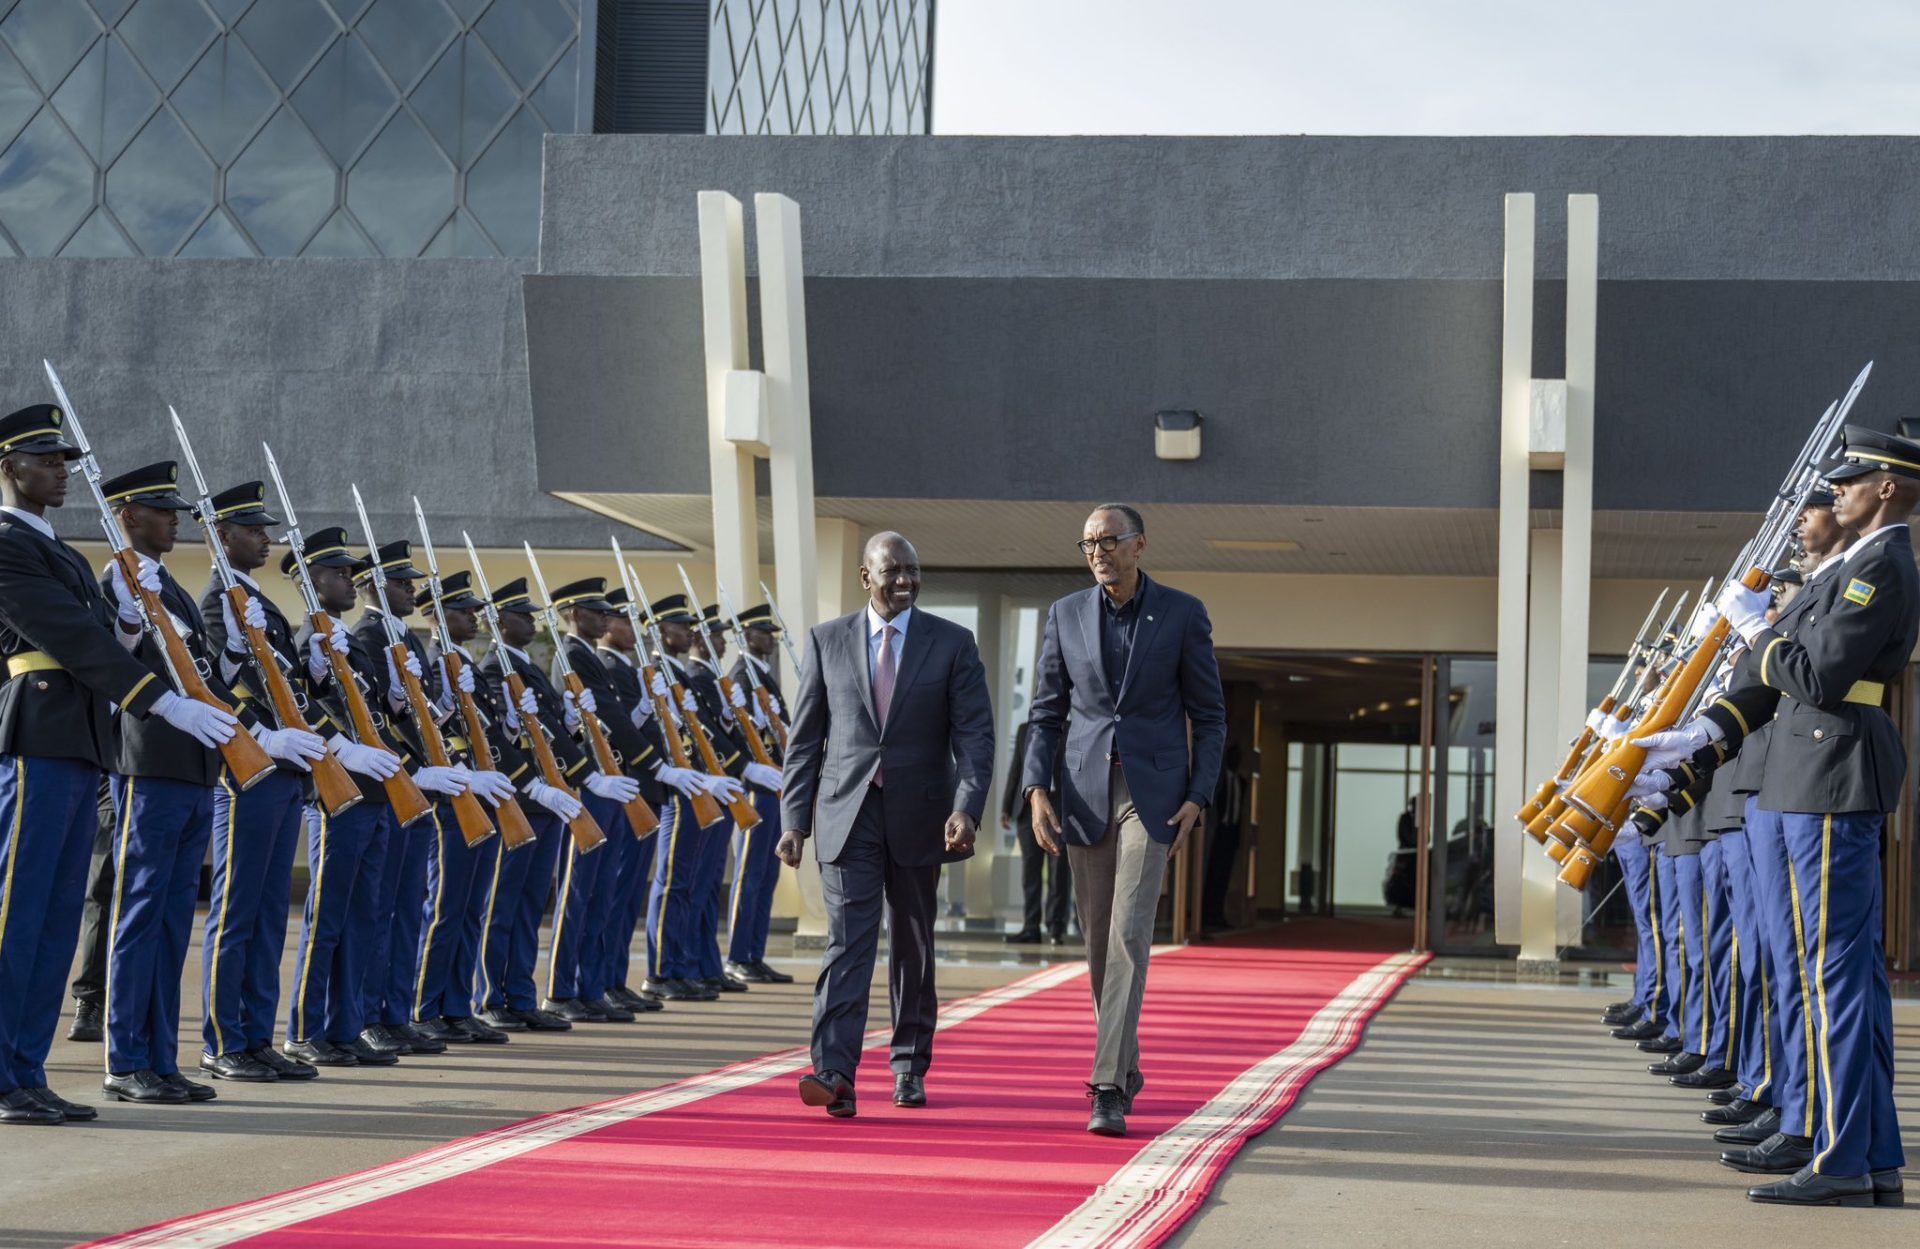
(1128, 666)
(889, 759)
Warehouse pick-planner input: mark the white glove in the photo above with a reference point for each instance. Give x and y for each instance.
(1657, 801)
(255, 617)
(465, 684)
(366, 760)
(725, 788)
(686, 780)
(295, 746)
(128, 601)
(659, 687)
(492, 786)
(209, 726)
(444, 781)
(759, 717)
(1703, 617)
(763, 776)
(393, 674)
(338, 639)
(1597, 720)
(689, 703)
(1745, 609)
(1675, 746)
(583, 700)
(529, 704)
(622, 789)
(1646, 785)
(641, 713)
(1615, 728)
(570, 714)
(557, 801)
(739, 700)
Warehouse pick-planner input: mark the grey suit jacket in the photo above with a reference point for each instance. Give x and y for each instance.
(937, 750)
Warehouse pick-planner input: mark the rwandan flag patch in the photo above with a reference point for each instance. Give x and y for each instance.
(1859, 592)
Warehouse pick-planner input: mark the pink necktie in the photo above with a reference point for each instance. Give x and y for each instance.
(883, 675)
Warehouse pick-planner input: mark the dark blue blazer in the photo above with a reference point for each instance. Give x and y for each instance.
(1172, 680)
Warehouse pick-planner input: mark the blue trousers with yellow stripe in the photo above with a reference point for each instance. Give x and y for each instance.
(712, 870)
(1673, 944)
(344, 854)
(636, 877)
(255, 835)
(510, 942)
(1696, 999)
(160, 837)
(1721, 981)
(1752, 1005)
(1781, 925)
(478, 964)
(387, 985)
(755, 874)
(1636, 875)
(453, 878)
(584, 909)
(48, 814)
(1836, 871)
(672, 900)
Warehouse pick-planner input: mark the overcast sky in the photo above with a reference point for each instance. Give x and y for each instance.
(1427, 67)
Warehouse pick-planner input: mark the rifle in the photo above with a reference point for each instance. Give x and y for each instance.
(514, 829)
(246, 759)
(408, 803)
(331, 784)
(744, 816)
(786, 638)
(762, 697)
(755, 746)
(639, 815)
(475, 827)
(706, 812)
(586, 831)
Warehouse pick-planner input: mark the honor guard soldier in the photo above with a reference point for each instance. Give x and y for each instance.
(344, 851)
(391, 972)
(460, 877)
(723, 717)
(256, 832)
(1835, 767)
(593, 889)
(510, 942)
(67, 661)
(755, 869)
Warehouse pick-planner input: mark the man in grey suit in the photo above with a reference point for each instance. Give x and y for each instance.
(889, 758)
(1131, 662)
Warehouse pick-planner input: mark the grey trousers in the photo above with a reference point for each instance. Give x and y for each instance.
(1116, 885)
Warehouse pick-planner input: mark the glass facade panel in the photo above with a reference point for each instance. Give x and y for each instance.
(161, 187)
(407, 35)
(216, 237)
(402, 189)
(105, 100)
(46, 186)
(168, 36)
(818, 67)
(503, 187)
(225, 98)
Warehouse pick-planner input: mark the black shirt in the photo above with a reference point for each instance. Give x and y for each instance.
(1117, 621)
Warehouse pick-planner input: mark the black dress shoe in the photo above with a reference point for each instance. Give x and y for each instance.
(1706, 1078)
(632, 1001)
(1058, 936)
(568, 1009)
(1659, 1045)
(1727, 1096)
(194, 1092)
(543, 1021)
(610, 1011)
(240, 1066)
(1804, 1188)
(746, 973)
(284, 1067)
(469, 1029)
(88, 1023)
(1026, 936)
(1751, 1133)
(319, 1053)
(829, 1089)
(74, 1112)
(909, 1090)
(1677, 1065)
(370, 1055)
(1734, 1113)
(22, 1107)
(1643, 1030)
(1779, 1154)
(670, 991)
(438, 1030)
(771, 976)
(503, 1020)
(723, 984)
(380, 1039)
(1109, 1116)
(418, 1041)
(143, 1085)
(1887, 1189)
(702, 991)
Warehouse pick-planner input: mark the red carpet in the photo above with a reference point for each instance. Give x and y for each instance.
(1000, 1158)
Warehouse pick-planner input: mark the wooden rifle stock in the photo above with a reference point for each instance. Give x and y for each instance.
(756, 745)
(744, 816)
(586, 831)
(1567, 771)
(245, 758)
(706, 812)
(331, 783)
(475, 827)
(514, 829)
(639, 815)
(409, 804)
(772, 713)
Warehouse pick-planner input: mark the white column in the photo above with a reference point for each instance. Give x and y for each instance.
(783, 337)
(1541, 894)
(1576, 502)
(1516, 399)
(723, 303)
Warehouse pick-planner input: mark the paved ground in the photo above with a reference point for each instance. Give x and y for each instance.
(1485, 1115)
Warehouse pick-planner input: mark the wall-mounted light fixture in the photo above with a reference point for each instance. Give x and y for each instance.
(1176, 434)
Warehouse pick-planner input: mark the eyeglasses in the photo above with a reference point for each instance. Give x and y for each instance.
(1106, 544)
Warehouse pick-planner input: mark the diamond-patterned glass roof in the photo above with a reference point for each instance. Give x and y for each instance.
(818, 67)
